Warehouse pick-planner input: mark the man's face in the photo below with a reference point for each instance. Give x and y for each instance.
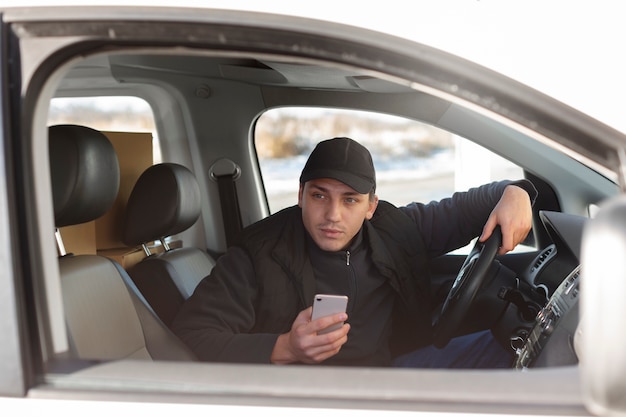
(333, 212)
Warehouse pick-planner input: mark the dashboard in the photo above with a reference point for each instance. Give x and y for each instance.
(550, 341)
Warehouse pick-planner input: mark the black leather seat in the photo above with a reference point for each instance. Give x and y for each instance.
(165, 201)
(107, 318)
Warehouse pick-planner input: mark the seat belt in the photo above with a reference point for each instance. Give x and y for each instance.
(225, 172)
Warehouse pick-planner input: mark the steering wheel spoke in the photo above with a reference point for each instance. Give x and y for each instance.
(468, 281)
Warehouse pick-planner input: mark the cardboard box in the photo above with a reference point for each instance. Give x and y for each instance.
(126, 257)
(134, 152)
(79, 239)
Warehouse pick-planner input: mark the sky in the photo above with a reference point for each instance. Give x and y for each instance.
(572, 50)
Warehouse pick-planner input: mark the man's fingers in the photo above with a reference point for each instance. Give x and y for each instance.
(507, 243)
(327, 321)
(488, 229)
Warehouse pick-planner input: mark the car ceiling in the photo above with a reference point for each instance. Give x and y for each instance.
(260, 72)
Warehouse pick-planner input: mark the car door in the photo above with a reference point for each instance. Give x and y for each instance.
(45, 42)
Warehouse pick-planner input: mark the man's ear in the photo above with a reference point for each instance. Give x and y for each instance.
(373, 203)
(300, 191)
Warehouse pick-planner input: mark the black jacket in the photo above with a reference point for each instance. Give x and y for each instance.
(261, 284)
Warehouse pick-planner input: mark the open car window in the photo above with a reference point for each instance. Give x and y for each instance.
(414, 161)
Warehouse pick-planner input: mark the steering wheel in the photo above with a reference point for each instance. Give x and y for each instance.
(469, 280)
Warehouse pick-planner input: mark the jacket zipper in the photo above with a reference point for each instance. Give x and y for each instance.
(352, 284)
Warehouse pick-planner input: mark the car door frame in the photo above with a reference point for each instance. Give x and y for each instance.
(16, 365)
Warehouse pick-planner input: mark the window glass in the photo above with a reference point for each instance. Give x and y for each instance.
(114, 114)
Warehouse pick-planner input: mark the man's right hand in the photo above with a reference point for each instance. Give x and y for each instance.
(303, 344)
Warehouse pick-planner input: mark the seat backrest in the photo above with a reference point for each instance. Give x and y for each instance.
(107, 318)
(165, 201)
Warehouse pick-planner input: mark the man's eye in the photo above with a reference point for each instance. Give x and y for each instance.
(351, 200)
(318, 196)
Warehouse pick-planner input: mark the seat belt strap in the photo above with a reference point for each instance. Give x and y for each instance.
(231, 213)
(225, 172)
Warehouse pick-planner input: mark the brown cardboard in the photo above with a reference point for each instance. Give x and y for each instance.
(79, 239)
(134, 152)
(126, 257)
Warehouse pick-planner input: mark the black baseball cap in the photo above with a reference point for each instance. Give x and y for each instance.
(342, 159)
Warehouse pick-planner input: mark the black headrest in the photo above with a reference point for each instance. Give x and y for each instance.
(84, 171)
(164, 201)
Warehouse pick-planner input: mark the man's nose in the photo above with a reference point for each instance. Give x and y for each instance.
(333, 211)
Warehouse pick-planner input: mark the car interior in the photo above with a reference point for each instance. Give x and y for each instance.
(140, 217)
(167, 200)
(107, 317)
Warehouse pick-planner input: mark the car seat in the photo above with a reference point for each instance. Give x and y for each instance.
(106, 316)
(165, 201)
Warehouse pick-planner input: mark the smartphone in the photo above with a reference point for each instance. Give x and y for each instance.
(327, 305)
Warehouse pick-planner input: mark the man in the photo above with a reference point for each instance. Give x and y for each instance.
(340, 239)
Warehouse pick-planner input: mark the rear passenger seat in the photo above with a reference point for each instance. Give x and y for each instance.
(165, 201)
(106, 317)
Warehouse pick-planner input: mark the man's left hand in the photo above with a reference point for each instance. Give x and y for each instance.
(514, 215)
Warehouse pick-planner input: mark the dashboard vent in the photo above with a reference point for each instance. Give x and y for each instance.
(542, 258)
